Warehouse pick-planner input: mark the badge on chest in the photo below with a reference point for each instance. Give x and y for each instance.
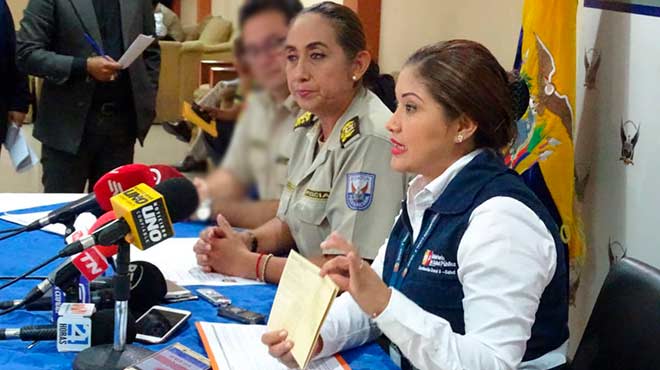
(360, 190)
(437, 264)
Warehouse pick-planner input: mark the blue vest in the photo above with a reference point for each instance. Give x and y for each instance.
(432, 280)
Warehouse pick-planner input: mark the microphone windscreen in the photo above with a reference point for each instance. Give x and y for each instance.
(163, 172)
(148, 286)
(180, 198)
(103, 327)
(121, 179)
(110, 250)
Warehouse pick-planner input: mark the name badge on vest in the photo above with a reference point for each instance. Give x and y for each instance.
(437, 264)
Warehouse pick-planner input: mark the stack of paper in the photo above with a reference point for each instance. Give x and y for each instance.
(239, 347)
(22, 155)
(185, 271)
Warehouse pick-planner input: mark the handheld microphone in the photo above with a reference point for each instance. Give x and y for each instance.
(102, 330)
(107, 186)
(142, 213)
(148, 288)
(164, 172)
(119, 180)
(63, 276)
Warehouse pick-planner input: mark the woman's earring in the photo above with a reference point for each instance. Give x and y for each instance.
(355, 78)
(459, 138)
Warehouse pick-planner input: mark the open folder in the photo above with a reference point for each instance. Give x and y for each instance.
(301, 304)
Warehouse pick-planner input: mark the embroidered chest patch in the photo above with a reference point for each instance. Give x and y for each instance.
(437, 264)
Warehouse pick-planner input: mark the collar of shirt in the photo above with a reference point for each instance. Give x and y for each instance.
(422, 194)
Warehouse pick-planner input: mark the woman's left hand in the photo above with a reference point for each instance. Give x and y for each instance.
(228, 253)
(355, 276)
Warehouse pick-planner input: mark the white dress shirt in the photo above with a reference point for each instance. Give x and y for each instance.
(506, 258)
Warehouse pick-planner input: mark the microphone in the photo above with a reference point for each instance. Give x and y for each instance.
(108, 185)
(102, 330)
(164, 172)
(142, 213)
(63, 276)
(148, 288)
(119, 180)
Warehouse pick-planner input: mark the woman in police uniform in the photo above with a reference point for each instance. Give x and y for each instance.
(474, 273)
(339, 176)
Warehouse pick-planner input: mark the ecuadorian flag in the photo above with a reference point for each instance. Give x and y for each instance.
(543, 151)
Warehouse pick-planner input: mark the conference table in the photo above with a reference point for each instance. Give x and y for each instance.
(26, 250)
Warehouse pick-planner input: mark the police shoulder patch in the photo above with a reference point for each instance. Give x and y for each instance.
(350, 130)
(360, 190)
(305, 120)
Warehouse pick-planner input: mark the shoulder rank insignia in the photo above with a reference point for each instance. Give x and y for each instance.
(306, 120)
(350, 130)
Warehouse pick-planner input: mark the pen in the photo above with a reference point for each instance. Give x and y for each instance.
(94, 45)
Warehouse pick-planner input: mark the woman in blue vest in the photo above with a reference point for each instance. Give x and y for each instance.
(474, 274)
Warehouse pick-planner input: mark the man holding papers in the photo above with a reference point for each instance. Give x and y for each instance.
(92, 108)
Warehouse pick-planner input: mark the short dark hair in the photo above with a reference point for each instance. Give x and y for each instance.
(466, 79)
(288, 8)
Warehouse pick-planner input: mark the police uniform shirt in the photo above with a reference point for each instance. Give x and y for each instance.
(344, 184)
(501, 291)
(259, 151)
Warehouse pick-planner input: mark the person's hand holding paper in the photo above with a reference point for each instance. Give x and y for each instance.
(301, 304)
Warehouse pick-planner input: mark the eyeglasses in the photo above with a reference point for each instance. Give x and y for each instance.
(270, 47)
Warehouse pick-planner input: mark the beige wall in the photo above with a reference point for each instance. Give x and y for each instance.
(408, 25)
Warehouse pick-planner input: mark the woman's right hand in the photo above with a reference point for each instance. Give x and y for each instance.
(280, 347)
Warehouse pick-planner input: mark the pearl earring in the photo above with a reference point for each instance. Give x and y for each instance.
(459, 138)
(355, 78)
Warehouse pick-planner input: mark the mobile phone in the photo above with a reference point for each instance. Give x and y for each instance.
(175, 291)
(212, 296)
(241, 315)
(159, 323)
(175, 356)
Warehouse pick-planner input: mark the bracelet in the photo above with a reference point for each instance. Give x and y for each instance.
(263, 268)
(256, 269)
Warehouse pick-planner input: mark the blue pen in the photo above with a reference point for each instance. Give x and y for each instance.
(94, 45)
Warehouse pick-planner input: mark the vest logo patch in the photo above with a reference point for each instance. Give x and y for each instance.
(437, 264)
(360, 190)
(350, 130)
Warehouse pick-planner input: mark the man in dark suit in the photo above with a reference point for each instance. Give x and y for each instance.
(91, 111)
(14, 96)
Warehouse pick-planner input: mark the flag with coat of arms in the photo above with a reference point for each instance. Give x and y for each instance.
(543, 150)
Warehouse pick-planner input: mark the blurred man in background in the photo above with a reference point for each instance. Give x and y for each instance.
(14, 95)
(258, 154)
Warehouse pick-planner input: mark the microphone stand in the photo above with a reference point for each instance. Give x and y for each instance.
(118, 355)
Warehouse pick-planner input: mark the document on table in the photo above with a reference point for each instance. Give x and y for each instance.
(238, 346)
(301, 304)
(22, 156)
(10, 202)
(175, 258)
(136, 49)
